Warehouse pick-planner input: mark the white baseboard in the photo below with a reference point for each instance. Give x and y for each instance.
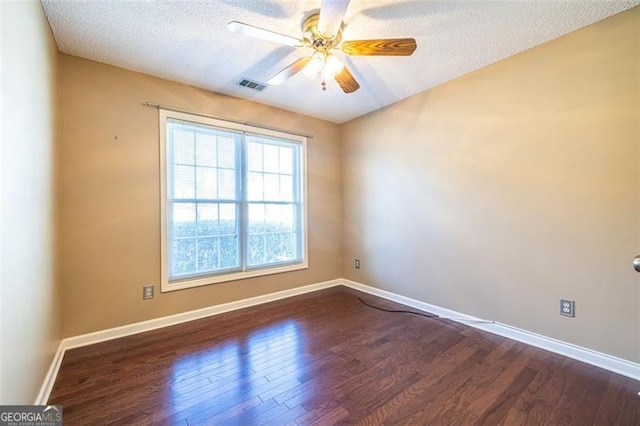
(589, 356)
(50, 378)
(608, 362)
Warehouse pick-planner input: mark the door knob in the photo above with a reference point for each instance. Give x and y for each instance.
(636, 263)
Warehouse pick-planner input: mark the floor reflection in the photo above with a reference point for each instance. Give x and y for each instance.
(239, 369)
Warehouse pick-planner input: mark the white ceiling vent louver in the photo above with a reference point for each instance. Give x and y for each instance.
(245, 82)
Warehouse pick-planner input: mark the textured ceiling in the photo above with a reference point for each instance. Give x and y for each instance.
(189, 42)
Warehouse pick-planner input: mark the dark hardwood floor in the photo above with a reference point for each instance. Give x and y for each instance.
(325, 358)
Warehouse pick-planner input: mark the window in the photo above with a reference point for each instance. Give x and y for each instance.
(233, 203)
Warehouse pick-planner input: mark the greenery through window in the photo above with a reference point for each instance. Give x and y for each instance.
(233, 201)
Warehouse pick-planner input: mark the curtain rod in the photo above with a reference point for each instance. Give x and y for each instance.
(245, 123)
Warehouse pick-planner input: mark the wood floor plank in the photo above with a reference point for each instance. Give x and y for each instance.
(630, 410)
(288, 416)
(612, 401)
(326, 358)
(224, 416)
(489, 385)
(438, 378)
(581, 380)
(501, 405)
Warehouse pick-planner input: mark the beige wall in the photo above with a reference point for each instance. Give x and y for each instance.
(505, 190)
(29, 317)
(109, 201)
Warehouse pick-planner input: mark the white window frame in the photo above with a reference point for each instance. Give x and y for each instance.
(167, 285)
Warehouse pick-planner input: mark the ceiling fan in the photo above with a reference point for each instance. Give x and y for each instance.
(322, 32)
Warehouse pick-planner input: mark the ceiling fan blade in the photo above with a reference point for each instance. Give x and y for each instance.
(346, 81)
(382, 47)
(250, 30)
(331, 15)
(289, 71)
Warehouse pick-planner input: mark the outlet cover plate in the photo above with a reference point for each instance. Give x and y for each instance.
(567, 308)
(147, 291)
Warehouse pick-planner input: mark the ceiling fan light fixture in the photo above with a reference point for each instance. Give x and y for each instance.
(332, 66)
(323, 65)
(315, 65)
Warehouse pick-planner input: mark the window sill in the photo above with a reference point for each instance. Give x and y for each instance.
(234, 276)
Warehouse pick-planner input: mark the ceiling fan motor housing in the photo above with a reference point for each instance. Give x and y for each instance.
(315, 39)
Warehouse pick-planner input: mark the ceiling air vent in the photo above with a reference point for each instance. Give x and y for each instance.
(245, 82)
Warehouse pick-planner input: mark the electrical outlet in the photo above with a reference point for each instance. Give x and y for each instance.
(147, 291)
(567, 308)
(357, 263)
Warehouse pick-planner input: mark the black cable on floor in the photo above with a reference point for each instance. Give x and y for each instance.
(421, 314)
(399, 310)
